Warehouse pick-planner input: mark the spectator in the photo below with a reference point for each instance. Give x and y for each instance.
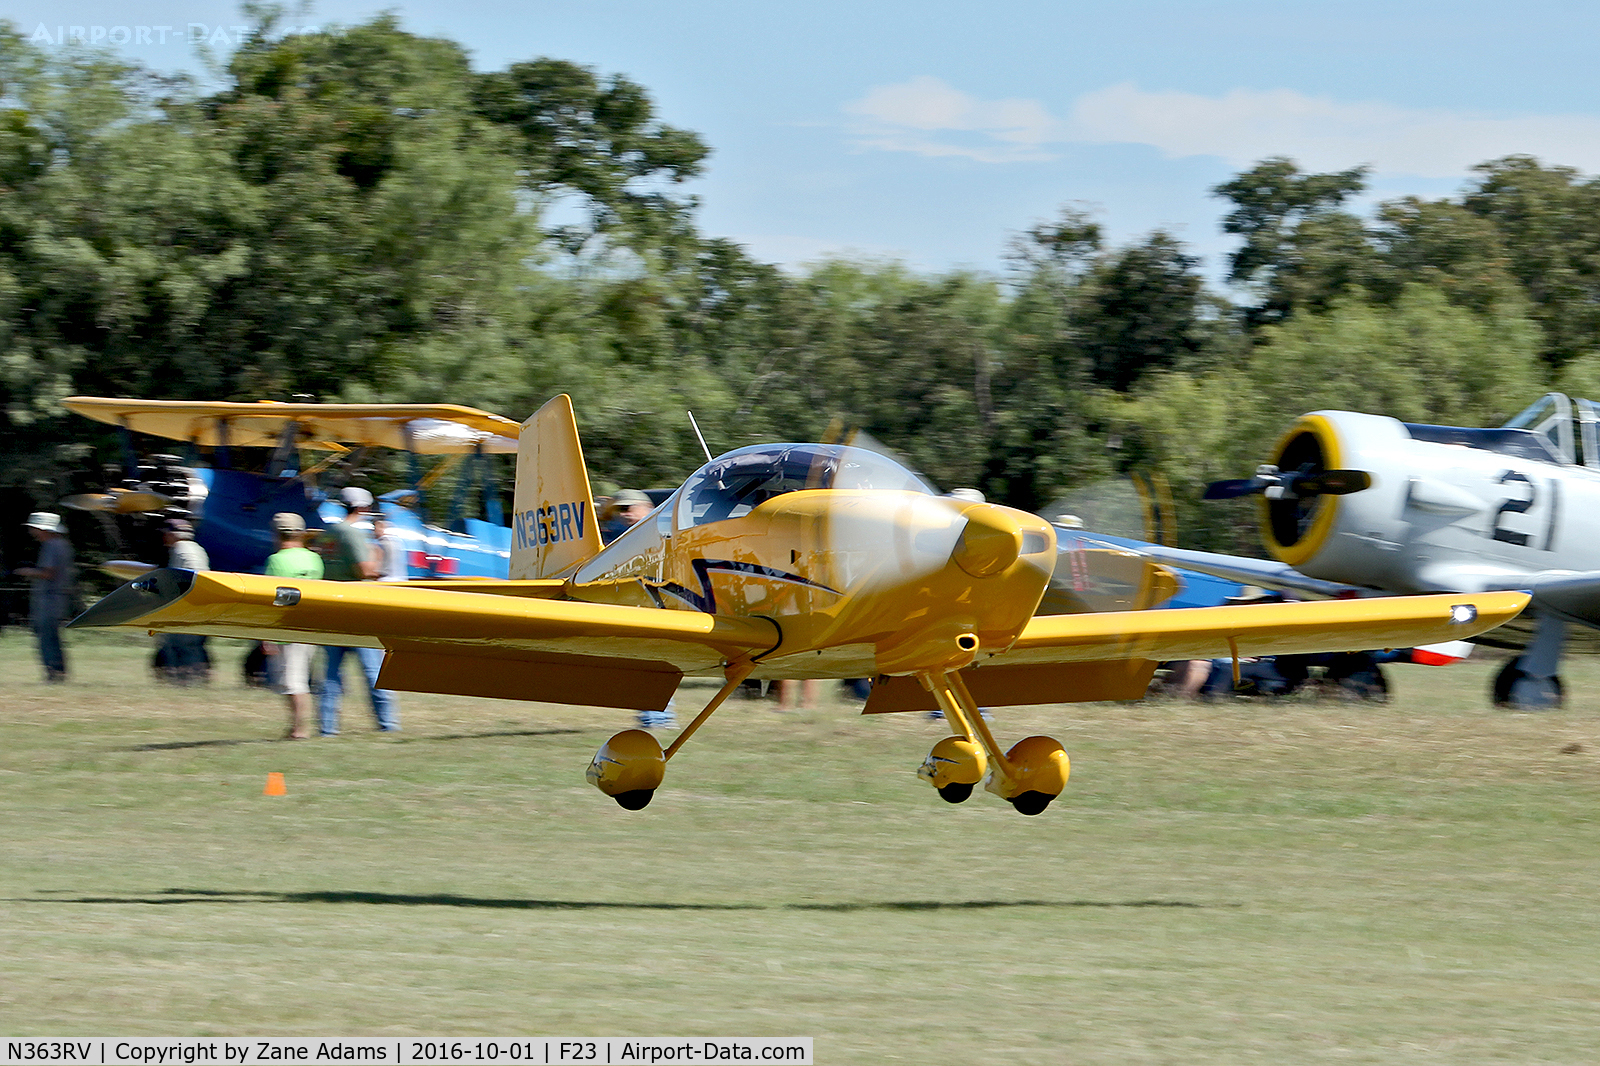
(626, 509)
(49, 591)
(181, 657)
(348, 554)
(291, 663)
(392, 564)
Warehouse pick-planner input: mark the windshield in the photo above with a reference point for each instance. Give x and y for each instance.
(1550, 419)
(734, 484)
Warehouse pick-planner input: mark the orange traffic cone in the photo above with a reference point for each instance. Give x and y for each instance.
(274, 785)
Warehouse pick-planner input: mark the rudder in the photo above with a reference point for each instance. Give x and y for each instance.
(553, 527)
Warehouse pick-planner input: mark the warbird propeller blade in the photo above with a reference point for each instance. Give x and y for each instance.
(1303, 484)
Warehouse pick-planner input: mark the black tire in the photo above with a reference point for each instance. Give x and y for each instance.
(1031, 803)
(955, 792)
(1510, 674)
(635, 800)
(1369, 684)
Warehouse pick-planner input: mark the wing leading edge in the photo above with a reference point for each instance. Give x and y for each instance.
(508, 646)
(1082, 657)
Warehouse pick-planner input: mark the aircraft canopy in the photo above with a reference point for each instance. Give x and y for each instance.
(736, 483)
(431, 429)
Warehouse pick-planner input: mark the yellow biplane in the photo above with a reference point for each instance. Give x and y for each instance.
(782, 561)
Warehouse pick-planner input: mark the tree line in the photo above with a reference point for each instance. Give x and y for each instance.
(356, 214)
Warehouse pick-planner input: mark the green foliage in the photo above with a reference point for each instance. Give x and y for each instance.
(1419, 360)
(1284, 217)
(357, 214)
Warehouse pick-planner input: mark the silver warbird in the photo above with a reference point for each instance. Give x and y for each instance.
(1354, 501)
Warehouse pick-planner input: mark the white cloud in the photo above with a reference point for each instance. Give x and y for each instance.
(929, 117)
(1324, 134)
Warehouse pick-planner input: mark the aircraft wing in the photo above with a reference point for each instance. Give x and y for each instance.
(562, 651)
(427, 428)
(1261, 629)
(1082, 657)
(1267, 573)
(1575, 597)
(508, 646)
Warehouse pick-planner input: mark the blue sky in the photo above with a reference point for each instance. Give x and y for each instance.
(935, 131)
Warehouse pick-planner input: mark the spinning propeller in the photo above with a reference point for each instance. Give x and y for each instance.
(119, 501)
(1304, 483)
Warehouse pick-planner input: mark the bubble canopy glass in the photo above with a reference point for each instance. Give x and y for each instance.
(733, 484)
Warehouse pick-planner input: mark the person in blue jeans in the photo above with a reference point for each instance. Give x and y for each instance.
(349, 554)
(49, 591)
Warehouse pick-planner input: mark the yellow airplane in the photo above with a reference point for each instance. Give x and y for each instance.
(782, 561)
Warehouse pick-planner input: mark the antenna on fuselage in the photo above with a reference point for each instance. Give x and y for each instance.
(700, 435)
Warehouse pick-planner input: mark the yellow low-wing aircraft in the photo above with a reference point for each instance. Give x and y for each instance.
(777, 561)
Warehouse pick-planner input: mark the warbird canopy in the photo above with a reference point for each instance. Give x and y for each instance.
(782, 561)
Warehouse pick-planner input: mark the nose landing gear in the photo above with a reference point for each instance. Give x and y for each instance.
(1029, 776)
(953, 767)
(1040, 768)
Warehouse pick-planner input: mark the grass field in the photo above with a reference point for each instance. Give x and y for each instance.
(1287, 882)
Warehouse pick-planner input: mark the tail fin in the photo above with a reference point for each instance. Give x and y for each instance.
(554, 526)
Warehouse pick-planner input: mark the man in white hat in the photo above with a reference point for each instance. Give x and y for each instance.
(49, 591)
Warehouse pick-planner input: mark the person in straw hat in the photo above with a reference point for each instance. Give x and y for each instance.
(49, 591)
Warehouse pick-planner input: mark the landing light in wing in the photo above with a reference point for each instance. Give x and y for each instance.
(1463, 614)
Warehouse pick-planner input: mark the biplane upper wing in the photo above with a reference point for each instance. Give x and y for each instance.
(428, 428)
(517, 645)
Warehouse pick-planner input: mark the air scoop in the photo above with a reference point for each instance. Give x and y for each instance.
(137, 598)
(991, 541)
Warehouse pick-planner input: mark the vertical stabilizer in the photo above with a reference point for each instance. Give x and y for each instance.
(554, 526)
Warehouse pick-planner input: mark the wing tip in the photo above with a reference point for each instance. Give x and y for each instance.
(136, 599)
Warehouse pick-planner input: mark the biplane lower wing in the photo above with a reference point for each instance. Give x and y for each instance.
(517, 645)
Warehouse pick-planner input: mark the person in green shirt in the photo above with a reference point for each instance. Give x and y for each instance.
(292, 662)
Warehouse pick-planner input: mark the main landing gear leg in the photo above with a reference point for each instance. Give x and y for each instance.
(630, 766)
(1530, 682)
(1029, 776)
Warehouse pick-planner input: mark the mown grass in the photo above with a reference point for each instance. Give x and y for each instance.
(1298, 881)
